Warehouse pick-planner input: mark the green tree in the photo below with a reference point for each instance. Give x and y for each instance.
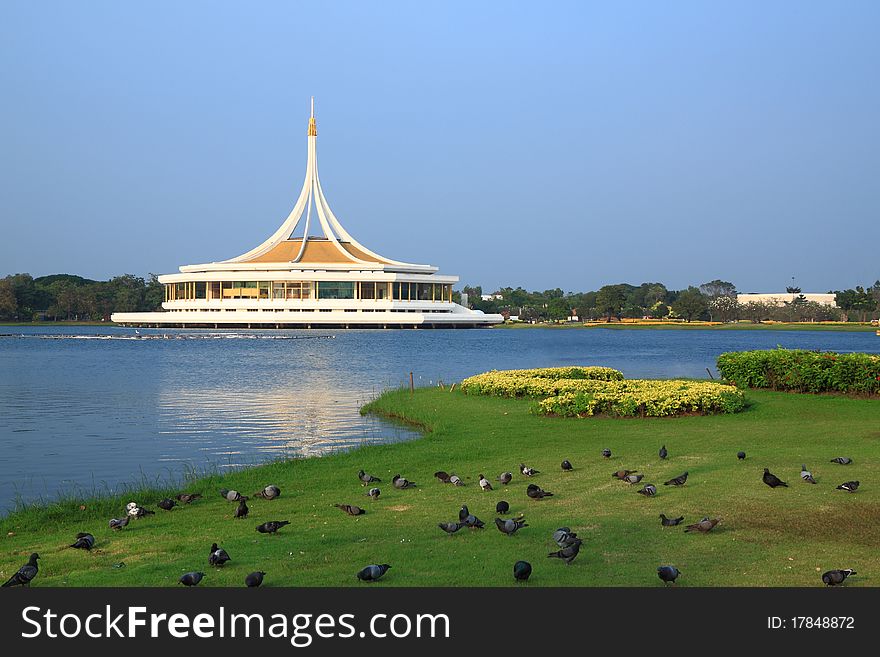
(8, 302)
(610, 300)
(690, 303)
(718, 288)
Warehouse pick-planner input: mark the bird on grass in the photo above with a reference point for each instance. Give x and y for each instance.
(372, 572)
(254, 579)
(469, 519)
(230, 495)
(567, 466)
(670, 522)
(442, 476)
(84, 541)
(842, 460)
(374, 493)
(167, 504)
(835, 577)
(119, 523)
(450, 527)
(849, 486)
(522, 570)
(402, 482)
(484, 483)
(606, 453)
(242, 510)
(568, 553)
(455, 480)
(668, 573)
(367, 479)
(191, 579)
(564, 537)
(621, 474)
(648, 490)
(677, 481)
(270, 492)
(510, 526)
(26, 573)
(663, 452)
(772, 480)
(633, 478)
(136, 511)
(705, 525)
(218, 556)
(505, 477)
(502, 508)
(272, 526)
(186, 498)
(741, 456)
(527, 471)
(806, 475)
(350, 509)
(537, 493)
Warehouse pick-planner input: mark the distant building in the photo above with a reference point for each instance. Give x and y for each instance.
(781, 298)
(492, 297)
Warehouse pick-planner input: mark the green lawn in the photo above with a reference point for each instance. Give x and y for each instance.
(737, 326)
(782, 537)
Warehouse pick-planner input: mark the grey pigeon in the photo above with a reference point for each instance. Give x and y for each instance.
(455, 480)
(741, 455)
(670, 522)
(502, 508)
(218, 556)
(505, 477)
(450, 527)
(563, 537)
(270, 492)
(119, 523)
(527, 471)
(849, 486)
(522, 570)
(402, 482)
(510, 526)
(772, 480)
(242, 510)
(191, 579)
(84, 541)
(186, 498)
(537, 493)
(622, 474)
(442, 476)
(663, 453)
(566, 466)
(835, 577)
(230, 495)
(484, 483)
(254, 579)
(272, 526)
(705, 525)
(677, 481)
(842, 460)
(606, 453)
(367, 479)
(372, 572)
(568, 553)
(350, 509)
(374, 493)
(167, 504)
(469, 519)
(26, 573)
(668, 573)
(648, 490)
(633, 478)
(806, 475)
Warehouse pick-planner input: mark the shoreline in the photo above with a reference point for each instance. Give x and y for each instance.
(843, 327)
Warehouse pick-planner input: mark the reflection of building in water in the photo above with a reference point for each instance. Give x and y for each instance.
(295, 279)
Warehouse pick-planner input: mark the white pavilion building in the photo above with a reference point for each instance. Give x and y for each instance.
(305, 281)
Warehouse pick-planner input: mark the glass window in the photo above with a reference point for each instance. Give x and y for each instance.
(201, 290)
(336, 290)
(368, 290)
(278, 290)
(264, 289)
(381, 290)
(424, 291)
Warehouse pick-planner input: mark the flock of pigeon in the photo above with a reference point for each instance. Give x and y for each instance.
(565, 539)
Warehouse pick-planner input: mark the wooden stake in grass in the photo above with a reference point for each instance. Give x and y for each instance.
(412, 387)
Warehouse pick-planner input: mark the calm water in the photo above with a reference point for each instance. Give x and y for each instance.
(84, 412)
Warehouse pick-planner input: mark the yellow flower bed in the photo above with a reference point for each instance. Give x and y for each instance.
(583, 392)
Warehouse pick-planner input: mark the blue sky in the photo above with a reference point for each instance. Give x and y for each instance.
(518, 143)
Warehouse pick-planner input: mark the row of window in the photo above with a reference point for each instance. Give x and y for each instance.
(308, 290)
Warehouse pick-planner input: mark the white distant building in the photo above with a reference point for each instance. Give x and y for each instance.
(492, 297)
(781, 298)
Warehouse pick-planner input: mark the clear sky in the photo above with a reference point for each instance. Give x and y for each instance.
(512, 143)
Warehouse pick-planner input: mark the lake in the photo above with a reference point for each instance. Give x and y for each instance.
(92, 408)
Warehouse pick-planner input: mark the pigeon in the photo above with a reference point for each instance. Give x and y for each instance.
(502, 508)
(521, 571)
(191, 579)
(668, 573)
(255, 579)
(119, 523)
(270, 492)
(842, 460)
(402, 482)
(84, 541)
(455, 480)
(373, 572)
(230, 495)
(563, 537)
(606, 453)
(705, 525)
(670, 522)
(374, 493)
(772, 480)
(367, 479)
(537, 493)
(569, 552)
(25, 574)
(835, 577)
(218, 556)
(621, 474)
(806, 475)
(633, 478)
(484, 483)
(450, 527)
(663, 452)
(505, 477)
(648, 490)
(442, 476)
(350, 509)
(136, 511)
(527, 471)
(242, 510)
(186, 498)
(849, 486)
(167, 504)
(566, 466)
(741, 456)
(272, 526)
(510, 526)
(677, 481)
(469, 520)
